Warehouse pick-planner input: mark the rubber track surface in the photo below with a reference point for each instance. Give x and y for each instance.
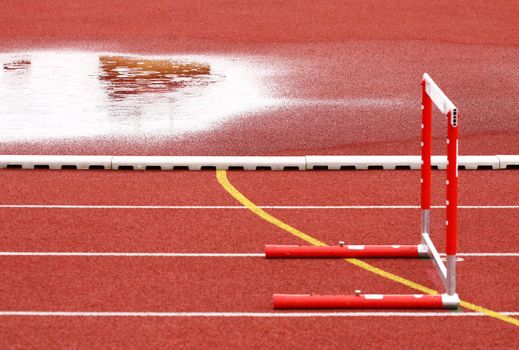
(240, 284)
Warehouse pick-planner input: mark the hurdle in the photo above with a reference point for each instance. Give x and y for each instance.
(431, 93)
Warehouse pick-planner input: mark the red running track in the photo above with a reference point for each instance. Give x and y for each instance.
(323, 52)
(238, 284)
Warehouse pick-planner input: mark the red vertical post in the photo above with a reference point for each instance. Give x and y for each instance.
(451, 230)
(452, 183)
(426, 149)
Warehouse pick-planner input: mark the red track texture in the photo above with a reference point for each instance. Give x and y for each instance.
(285, 333)
(239, 284)
(321, 51)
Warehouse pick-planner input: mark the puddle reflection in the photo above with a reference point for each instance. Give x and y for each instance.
(52, 95)
(17, 64)
(128, 76)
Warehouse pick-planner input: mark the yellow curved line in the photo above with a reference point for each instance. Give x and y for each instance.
(221, 176)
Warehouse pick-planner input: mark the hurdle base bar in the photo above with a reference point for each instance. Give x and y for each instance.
(366, 301)
(345, 251)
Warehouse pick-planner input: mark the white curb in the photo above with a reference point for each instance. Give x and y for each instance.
(508, 162)
(250, 163)
(55, 162)
(203, 163)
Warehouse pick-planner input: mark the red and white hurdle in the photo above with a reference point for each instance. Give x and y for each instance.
(431, 93)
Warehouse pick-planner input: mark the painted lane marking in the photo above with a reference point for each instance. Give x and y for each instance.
(485, 254)
(288, 207)
(208, 255)
(221, 176)
(136, 254)
(245, 314)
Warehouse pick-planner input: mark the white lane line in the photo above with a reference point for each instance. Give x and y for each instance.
(56, 206)
(249, 314)
(209, 255)
(174, 255)
(486, 254)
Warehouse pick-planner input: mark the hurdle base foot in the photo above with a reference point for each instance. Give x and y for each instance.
(365, 301)
(344, 251)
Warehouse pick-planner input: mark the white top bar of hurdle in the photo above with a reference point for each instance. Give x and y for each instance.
(437, 96)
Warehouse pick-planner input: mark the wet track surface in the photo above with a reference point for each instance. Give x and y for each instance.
(339, 85)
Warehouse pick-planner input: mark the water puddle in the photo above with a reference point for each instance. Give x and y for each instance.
(53, 95)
